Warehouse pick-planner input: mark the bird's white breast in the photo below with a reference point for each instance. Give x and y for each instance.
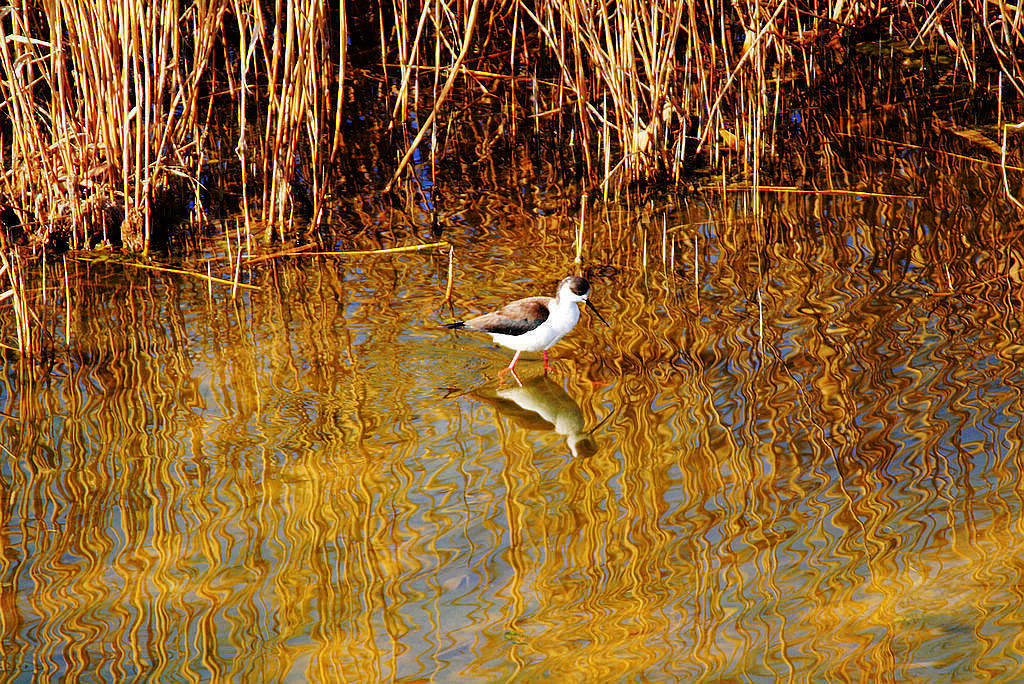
(561, 319)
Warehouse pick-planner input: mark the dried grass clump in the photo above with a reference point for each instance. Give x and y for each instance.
(110, 104)
(103, 110)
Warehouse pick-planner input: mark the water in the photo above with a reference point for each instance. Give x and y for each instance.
(792, 455)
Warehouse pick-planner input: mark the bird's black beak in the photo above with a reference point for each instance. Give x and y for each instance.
(596, 312)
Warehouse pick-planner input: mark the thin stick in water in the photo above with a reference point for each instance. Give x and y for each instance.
(67, 303)
(451, 275)
(580, 227)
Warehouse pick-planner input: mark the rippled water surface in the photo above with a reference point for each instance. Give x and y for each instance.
(796, 451)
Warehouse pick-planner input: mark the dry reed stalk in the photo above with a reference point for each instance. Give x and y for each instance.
(247, 43)
(407, 64)
(339, 98)
(235, 282)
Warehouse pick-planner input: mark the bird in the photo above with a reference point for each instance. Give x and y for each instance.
(535, 323)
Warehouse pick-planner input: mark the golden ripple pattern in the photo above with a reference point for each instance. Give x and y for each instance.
(800, 459)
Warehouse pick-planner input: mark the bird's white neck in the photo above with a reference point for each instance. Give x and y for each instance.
(564, 314)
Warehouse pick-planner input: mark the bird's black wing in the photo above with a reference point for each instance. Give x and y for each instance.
(517, 318)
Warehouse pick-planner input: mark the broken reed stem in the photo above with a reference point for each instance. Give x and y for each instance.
(946, 153)
(811, 191)
(238, 264)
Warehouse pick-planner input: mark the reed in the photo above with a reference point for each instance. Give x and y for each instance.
(112, 112)
(110, 107)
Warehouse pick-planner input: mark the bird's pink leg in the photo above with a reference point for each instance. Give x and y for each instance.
(511, 369)
(547, 366)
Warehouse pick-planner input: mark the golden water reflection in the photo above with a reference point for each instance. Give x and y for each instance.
(800, 460)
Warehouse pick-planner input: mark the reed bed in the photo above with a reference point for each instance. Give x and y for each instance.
(109, 108)
(119, 120)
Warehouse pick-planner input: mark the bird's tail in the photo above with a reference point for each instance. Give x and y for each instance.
(454, 326)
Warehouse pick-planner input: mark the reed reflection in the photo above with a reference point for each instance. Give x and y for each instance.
(811, 464)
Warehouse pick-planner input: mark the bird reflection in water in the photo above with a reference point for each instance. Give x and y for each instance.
(541, 404)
